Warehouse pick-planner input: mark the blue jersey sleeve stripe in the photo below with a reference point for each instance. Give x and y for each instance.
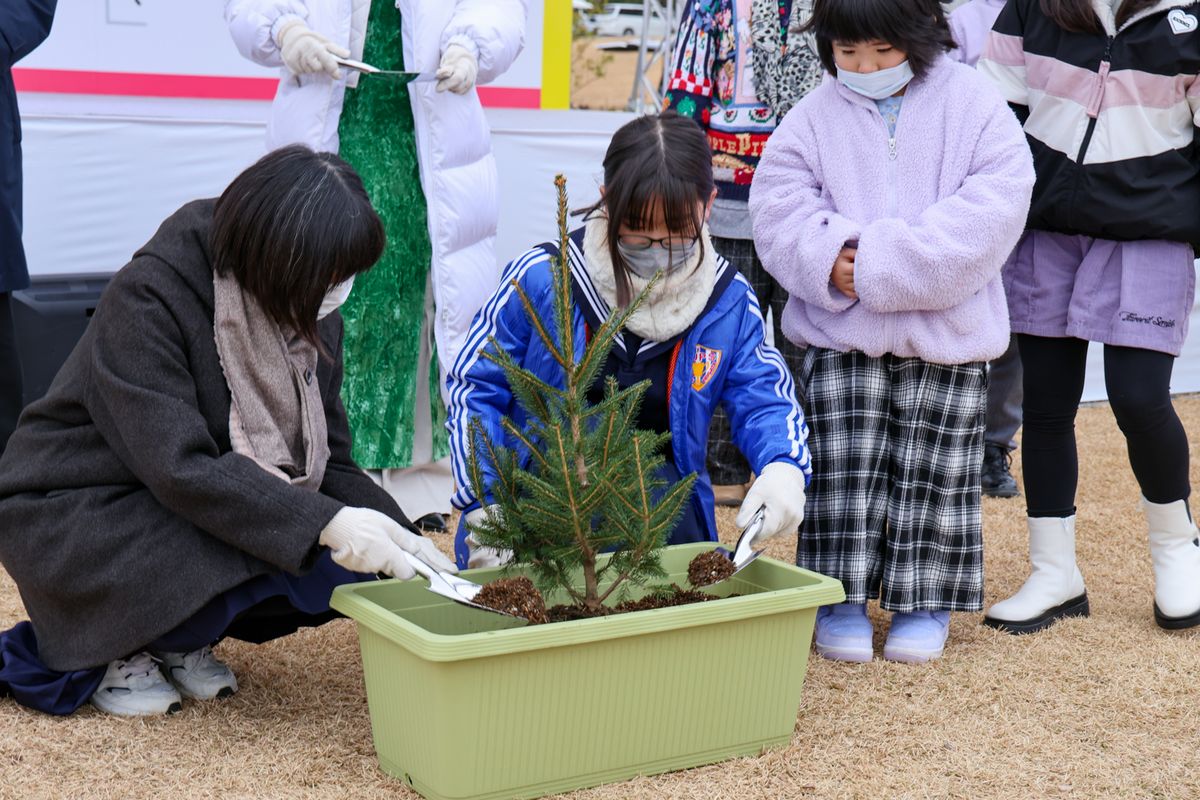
(785, 386)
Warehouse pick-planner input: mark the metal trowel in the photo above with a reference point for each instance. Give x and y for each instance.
(452, 587)
(391, 74)
(743, 552)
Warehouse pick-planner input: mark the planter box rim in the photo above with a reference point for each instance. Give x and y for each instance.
(349, 599)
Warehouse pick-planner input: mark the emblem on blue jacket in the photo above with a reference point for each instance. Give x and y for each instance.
(704, 366)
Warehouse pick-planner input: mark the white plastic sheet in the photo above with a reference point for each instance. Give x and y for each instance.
(98, 185)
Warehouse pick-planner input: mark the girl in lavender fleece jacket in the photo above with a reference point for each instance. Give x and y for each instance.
(886, 204)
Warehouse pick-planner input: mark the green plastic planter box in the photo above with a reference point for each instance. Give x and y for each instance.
(467, 704)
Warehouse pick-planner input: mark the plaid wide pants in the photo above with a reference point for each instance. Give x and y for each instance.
(894, 510)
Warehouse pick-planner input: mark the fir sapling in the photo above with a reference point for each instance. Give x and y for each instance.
(576, 480)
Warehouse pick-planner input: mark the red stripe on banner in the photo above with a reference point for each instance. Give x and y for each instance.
(136, 84)
(503, 97)
(206, 87)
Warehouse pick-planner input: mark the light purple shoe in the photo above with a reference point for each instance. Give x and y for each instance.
(917, 637)
(844, 633)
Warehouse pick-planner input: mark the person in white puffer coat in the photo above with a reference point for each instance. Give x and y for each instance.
(408, 321)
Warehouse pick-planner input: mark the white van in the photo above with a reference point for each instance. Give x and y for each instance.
(625, 19)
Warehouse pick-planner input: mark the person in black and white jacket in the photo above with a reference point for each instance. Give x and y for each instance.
(1109, 94)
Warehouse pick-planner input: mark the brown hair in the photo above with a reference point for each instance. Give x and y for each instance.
(292, 226)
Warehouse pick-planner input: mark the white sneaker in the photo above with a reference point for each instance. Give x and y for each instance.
(198, 674)
(134, 687)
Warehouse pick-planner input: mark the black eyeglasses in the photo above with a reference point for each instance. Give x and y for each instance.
(672, 243)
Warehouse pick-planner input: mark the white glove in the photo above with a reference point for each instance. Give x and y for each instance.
(305, 51)
(457, 71)
(780, 489)
(478, 555)
(363, 540)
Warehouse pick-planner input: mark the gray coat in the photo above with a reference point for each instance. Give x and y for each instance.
(123, 509)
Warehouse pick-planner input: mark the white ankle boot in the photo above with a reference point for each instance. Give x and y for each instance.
(1053, 590)
(1176, 557)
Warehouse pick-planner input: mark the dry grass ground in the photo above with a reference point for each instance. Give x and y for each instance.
(1104, 707)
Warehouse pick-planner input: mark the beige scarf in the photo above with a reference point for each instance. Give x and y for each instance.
(276, 414)
(674, 303)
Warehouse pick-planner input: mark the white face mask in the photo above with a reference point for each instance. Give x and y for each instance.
(879, 84)
(335, 297)
(647, 263)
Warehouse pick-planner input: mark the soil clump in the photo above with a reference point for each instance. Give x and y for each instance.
(709, 568)
(517, 596)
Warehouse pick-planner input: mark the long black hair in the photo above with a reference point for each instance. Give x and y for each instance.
(654, 163)
(1079, 16)
(916, 27)
(292, 226)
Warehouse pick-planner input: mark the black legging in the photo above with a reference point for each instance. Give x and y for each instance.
(1138, 383)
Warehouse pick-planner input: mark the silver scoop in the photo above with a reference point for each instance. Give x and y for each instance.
(393, 74)
(452, 587)
(743, 553)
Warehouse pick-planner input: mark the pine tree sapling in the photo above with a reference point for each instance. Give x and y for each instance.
(577, 480)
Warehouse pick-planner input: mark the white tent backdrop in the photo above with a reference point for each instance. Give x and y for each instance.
(98, 183)
(122, 124)
(96, 186)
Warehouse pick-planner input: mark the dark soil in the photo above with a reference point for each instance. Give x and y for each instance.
(676, 596)
(517, 596)
(673, 596)
(708, 568)
(571, 613)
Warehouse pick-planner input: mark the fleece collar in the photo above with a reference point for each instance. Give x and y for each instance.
(674, 304)
(1108, 19)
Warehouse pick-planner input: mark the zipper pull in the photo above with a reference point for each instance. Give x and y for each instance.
(892, 148)
(1093, 109)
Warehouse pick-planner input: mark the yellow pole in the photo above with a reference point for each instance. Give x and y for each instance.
(557, 20)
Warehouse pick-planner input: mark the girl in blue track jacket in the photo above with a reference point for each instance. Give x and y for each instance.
(698, 338)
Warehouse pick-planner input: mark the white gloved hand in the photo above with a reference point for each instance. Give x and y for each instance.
(304, 51)
(364, 540)
(457, 71)
(780, 489)
(478, 555)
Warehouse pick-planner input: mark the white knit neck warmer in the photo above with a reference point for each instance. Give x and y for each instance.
(675, 302)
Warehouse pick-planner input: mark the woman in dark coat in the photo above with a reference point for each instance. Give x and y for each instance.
(188, 475)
